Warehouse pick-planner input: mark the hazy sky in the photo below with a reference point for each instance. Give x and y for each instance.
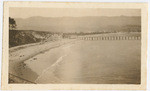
(61, 12)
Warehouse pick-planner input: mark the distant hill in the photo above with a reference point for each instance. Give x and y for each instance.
(80, 24)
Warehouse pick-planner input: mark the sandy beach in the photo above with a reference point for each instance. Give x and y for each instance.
(18, 55)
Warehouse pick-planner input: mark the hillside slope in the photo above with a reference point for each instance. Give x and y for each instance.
(20, 37)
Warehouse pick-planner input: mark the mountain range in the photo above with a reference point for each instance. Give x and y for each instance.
(80, 24)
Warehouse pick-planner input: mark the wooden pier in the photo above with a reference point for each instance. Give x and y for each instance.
(109, 38)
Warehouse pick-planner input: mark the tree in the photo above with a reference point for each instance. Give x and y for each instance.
(12, 24)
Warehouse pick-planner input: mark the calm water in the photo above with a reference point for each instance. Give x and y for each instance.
(89, 62)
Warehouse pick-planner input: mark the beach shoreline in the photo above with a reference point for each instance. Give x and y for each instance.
(16, 63)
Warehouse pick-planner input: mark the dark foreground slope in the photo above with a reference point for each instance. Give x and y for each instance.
(20, 37)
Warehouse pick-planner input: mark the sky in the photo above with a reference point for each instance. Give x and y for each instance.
(26, 12)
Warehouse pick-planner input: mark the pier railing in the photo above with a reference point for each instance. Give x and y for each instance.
(110, 38)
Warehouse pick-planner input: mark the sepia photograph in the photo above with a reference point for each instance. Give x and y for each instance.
(97, 46)
(74, 45)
